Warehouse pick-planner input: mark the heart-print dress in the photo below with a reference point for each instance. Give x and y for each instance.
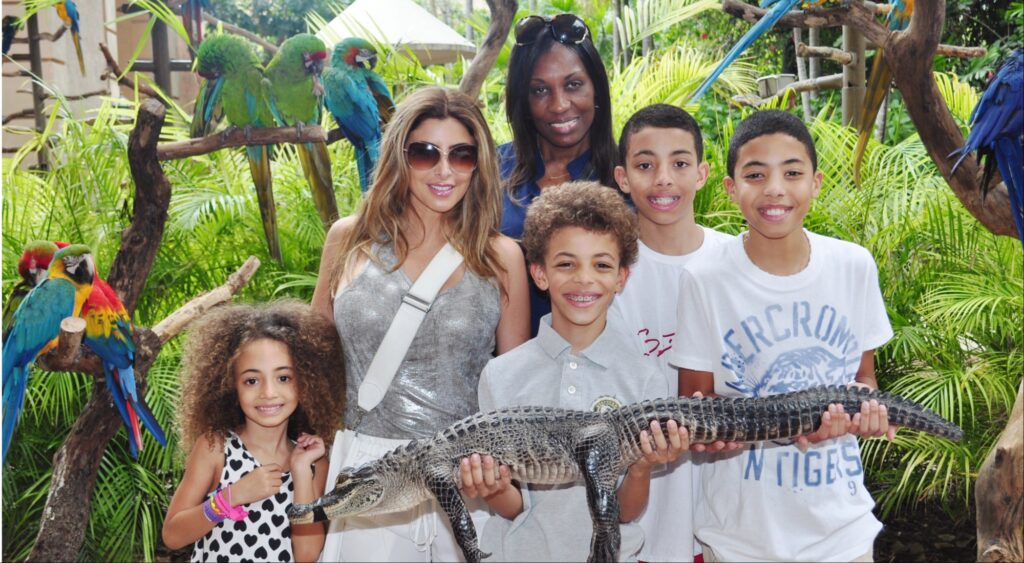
(265, 535)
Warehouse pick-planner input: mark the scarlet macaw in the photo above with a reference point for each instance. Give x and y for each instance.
(35, 259)
(37, 325)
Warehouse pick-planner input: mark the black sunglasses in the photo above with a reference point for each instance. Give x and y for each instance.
(565, 28)
(424, 156)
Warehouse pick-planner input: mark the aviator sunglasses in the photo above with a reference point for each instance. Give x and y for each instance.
(424, 156)
(565, 28)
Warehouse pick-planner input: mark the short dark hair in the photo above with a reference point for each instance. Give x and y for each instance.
(769, 122)
(662, 116)
(587, 205)
(517, 109)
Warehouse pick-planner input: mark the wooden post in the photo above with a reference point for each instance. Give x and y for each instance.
(469, 13)
(161, 57)
(616, 43)
(814, 65)
(999, 492)
(36, 65)
(801, 74)
(854, 83)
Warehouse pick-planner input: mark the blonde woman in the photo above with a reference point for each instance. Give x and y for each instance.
(436, 182)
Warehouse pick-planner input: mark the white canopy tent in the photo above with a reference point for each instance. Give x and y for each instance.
(404, 25)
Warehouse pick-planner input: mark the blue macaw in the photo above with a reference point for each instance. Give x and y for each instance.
(359, 101)
(878, 83)
(11, 27)
(68, 13)
(37, 325)
(109, 334)
(997, 125)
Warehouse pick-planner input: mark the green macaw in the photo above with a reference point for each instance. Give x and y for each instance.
(296, 98)
(234, 87)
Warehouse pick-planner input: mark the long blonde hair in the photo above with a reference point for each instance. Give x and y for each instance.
(471, 224)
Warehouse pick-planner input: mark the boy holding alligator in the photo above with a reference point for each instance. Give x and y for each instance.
(781, 309)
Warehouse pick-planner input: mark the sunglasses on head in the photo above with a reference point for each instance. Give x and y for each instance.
(565, 28)
(424, 156)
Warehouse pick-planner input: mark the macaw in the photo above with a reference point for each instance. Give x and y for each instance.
(359, 101)
(192, 19)
(878, 83)
(37, 325)
(778, 9)
(35, 259)
(234, 88)
(997, 124)
(11, 27)
(68, 13)
(109, 334)
(296, 98)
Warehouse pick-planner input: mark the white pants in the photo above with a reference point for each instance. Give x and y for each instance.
(420, 534)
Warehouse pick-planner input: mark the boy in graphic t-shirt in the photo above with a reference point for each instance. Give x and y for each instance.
(781, 309)
(662, 167)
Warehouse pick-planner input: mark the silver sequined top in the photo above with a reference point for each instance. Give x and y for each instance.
(436, 384)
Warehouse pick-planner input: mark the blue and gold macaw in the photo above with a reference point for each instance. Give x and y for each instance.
(778, 9)
(35, 259)
(234, 87)
(109, 334)
(996, 133)
(878, 84)
(37, 325)
(359, 101)
(68, 13)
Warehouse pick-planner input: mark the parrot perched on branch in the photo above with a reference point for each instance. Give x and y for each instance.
(37, 325)
(778, 9)
(878, 84)
(35, 259)
(997, 126)
(359, 101)
(296, 98)
(68, 13)
(109, 334)
(234, 87)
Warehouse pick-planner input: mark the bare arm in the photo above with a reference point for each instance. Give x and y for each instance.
(514, 326)
(478, 479)
(308, 539)
(185, 522)
(322, 302)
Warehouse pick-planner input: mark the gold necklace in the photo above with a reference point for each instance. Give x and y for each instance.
(556, 178)
(746, 237)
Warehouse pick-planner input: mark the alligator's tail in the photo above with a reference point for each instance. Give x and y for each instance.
(775, 417)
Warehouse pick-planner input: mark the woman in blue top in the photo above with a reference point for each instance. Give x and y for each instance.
(558, 104)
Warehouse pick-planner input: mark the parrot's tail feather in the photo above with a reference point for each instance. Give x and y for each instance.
(259, 166)
(1010, 160)
(13, 399)
(77, 40)
(316, 165)
(115, 388)
(877, 90)
(149, 421)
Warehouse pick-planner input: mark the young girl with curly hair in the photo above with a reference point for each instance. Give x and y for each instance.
(261, 385)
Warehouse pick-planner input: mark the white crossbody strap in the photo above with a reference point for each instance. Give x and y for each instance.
(406, 323)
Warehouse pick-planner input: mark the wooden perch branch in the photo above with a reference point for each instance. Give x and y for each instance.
(830, 82)
(236, 137)
(174, 323)
(502, 12)
(114, 72)
(231, 28)
(997, 496)
(811, 17)
(838, 55)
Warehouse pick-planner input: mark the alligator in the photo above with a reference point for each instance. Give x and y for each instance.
(546, 445)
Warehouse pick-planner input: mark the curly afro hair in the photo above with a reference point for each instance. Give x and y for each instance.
(209, 403)
(587, 205)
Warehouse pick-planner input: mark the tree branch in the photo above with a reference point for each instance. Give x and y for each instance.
(174, 323)
(811, 17)
(232, 28)
(830, 82)
(114, 73)
(997, 496)
(502, 12)
(236, 137)
(838, 55)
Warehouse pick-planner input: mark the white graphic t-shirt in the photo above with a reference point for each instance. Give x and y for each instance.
(646, 311)
(760, 335)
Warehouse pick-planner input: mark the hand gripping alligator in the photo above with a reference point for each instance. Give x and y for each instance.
(552, 446)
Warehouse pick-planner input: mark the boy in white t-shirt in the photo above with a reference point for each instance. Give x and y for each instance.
(782, 309)
(662, 167)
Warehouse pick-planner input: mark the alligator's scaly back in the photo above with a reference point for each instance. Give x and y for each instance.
(551, 446)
